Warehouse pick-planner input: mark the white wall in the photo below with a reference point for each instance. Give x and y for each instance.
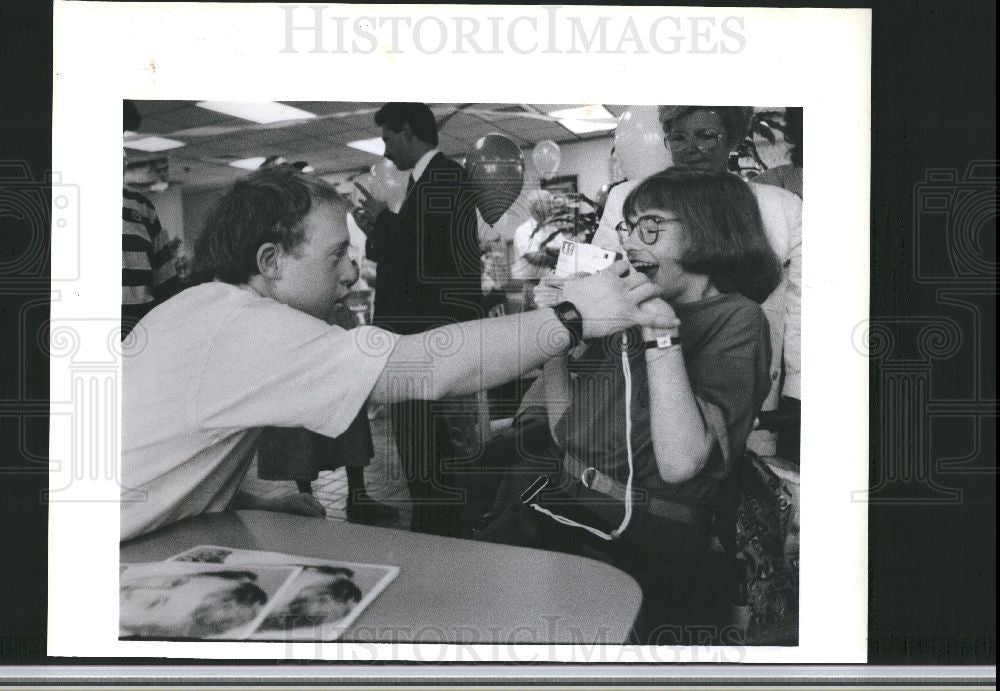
(196, 208)
(589, 160)
(170, 209)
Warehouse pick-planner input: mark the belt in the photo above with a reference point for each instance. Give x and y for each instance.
(595, 480)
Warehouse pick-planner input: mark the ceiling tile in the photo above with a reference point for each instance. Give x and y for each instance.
(452, 146)
(193, 116)
(549, 107)
(147, 108)
(496, 112)
(322, 127)
(306, 145)
(154, 125)
(275, 137)
(315, 107)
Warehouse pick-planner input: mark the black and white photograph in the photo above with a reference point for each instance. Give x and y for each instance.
(506, 368)
(183, 600)
(275, 301)
(323, 599)
(466, 345)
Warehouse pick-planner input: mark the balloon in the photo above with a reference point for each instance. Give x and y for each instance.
(601, 198)
(546, 157)
(388, 183)
(495, 168)
(639, 143)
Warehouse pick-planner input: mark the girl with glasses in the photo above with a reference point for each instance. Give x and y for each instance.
(648, 425)
(701, 137)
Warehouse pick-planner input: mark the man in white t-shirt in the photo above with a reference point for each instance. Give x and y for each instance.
(249, 348)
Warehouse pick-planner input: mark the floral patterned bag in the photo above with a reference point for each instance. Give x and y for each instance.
(767, 539)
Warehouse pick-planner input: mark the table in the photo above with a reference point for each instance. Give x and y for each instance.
(448, 590)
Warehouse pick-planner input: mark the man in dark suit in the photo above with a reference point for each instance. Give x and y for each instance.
(428, 275)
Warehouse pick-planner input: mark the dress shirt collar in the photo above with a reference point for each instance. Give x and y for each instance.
(422, 164)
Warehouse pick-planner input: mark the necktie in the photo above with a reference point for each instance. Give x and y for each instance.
(409, 185)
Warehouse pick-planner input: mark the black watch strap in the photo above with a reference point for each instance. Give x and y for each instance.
(662, 342)
(571, 318)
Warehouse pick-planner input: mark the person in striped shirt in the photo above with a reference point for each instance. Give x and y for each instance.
(148, 273)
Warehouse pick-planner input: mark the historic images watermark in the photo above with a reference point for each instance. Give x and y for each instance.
(669, 644)
(930, 369)
(550, 30)
(80, 402)
(32, 275)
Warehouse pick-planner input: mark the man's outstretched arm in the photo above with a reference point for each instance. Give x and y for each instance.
(471, 356)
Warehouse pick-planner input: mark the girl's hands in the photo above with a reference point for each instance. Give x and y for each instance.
(659, 307)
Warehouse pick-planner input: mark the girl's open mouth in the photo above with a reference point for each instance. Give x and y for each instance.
(645, 268)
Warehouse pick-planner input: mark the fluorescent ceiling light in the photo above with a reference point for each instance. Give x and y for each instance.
(248, 163)
(263, 112)
(153, 144)
(375, 145)
(584, 119)
(584, 126)
(597, 112)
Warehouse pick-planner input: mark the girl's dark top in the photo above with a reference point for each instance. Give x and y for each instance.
(726, 351)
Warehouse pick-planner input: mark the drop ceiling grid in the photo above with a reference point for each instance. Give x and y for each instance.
(323, 142)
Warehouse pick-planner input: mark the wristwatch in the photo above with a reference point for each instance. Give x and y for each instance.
(662, 342)
(571, 318)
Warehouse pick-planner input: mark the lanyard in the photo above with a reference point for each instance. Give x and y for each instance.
(617, 532)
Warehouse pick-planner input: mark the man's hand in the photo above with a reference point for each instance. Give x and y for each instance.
(369, 211)
(300, 504)
(548, 292)
(659, 307)
(610, 300)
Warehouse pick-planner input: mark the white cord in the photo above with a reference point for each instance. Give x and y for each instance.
(628, 437)
(616, 533)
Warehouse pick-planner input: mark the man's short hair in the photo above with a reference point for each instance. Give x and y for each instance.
(417, 115)
(735, 118)
(268, 205)
(724, 237)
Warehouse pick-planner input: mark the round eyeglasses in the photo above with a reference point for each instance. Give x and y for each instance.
(702, 139)
(648, 227)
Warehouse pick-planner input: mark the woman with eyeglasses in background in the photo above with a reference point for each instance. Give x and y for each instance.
(703, 138)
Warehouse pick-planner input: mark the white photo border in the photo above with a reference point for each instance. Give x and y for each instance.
(815, 58)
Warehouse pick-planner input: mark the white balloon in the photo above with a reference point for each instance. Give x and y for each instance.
(546, 157)
(639, 143)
